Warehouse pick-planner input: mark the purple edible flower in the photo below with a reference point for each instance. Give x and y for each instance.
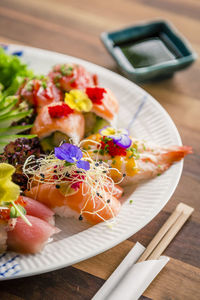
(72, 154)
(119, 136)
(123, 141)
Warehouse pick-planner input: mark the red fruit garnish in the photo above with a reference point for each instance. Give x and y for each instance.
(58, 111)
(95, 94)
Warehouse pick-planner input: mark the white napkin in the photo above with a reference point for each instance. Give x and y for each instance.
(131, 279)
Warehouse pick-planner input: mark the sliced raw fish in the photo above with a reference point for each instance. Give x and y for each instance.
(109, 107)
(71, 76)
(81, 202)
(71, 125)
(39, 210)
(39, 92)
(30, 239)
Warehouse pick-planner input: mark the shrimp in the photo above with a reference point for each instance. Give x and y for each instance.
(141, 161)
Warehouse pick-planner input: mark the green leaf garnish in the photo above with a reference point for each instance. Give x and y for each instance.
(14, 213)
(20, 212)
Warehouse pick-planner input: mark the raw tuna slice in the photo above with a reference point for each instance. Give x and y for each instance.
(30, 239)
(39, 210)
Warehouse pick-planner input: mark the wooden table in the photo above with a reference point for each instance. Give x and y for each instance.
(73, 27)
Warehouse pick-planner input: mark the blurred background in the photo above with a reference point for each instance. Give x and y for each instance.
(74, 26)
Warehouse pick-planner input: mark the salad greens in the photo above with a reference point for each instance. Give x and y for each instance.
(12, 74)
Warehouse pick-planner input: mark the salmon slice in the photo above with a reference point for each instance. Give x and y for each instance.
(30, 239)
(39, 210)
(46, 194)
(146, 162)
(79, 203)
(109, 107)
(117, 191)
(71, 125)
(94, 210)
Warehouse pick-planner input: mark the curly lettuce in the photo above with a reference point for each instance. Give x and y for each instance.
(12, 73)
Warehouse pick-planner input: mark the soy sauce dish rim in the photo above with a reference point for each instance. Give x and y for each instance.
(169, 66)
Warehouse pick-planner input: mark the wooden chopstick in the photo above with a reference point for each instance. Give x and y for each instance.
(167, 232)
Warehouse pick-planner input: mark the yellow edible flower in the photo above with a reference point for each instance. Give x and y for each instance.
(78, 101)
(108, 131)
(9, 191)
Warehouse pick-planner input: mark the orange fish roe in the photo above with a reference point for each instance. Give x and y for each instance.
(5, 214)
(20, 201)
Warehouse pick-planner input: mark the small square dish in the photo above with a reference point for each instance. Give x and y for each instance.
(149, 51)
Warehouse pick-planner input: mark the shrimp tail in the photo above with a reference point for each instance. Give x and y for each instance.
(176, 153)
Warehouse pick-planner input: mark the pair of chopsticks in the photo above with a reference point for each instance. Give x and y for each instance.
(167, 232)
(120, 284)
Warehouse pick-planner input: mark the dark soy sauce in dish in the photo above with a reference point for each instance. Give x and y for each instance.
(149, 51)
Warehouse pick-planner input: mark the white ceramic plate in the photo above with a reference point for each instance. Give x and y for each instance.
(77, 240)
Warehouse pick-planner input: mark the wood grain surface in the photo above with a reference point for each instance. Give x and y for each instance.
(73, 27)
